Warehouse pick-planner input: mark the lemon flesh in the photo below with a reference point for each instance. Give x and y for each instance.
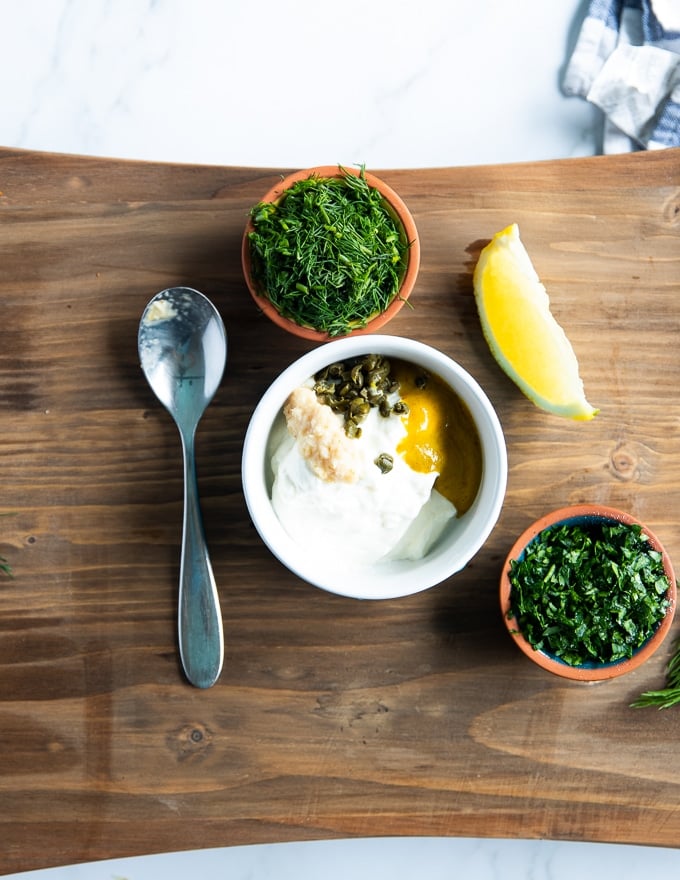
(523, 335)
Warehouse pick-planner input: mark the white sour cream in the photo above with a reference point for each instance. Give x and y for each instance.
(372, 517)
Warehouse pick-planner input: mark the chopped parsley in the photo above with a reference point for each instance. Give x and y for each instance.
(589, 593)
(328, 254)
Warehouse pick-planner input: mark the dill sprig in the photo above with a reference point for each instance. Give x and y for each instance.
(5, 567)
(669, 695)
(328, 254)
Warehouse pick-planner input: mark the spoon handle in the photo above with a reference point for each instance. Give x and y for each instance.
(201, 642)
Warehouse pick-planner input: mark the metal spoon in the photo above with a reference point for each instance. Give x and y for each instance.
(183, 350)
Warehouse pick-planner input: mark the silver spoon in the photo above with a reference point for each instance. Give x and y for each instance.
(183, 350)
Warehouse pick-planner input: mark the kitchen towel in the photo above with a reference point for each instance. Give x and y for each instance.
(627, 62)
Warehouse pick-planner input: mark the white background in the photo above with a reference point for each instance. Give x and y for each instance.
(289, 84)
(293, 83)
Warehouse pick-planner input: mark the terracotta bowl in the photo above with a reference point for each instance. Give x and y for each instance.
(398, 210)
(589, 672)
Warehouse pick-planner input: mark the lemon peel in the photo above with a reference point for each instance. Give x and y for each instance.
(522, 333)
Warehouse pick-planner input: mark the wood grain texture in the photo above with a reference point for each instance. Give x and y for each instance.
(332, 717)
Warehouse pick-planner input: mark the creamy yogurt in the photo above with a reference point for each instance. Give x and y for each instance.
(339, 503)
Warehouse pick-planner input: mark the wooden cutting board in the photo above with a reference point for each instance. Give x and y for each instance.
(333, 717)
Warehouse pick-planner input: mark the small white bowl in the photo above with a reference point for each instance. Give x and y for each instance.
(463, 537)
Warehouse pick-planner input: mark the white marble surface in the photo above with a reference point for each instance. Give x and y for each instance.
(387, 859)
(431, 83)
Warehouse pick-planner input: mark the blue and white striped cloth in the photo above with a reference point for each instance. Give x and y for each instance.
(627, 62)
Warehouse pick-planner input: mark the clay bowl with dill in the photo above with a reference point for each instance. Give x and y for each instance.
(330, 251)
(588, 592)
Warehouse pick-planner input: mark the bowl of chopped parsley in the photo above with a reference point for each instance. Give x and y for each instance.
(588, 592)
(330, 251)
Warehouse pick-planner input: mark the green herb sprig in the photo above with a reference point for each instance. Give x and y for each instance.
(670, 694)
(5, 567)
(589, 594)
(329, 254)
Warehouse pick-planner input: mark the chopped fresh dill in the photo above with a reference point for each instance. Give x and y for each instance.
(5, 567)
(328, 254)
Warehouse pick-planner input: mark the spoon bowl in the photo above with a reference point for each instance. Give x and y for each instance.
(182, 347)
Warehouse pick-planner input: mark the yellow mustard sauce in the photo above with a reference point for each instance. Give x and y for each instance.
(441, 435)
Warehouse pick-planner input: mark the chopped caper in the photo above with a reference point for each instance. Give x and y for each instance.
(385, 462)
(355, 387)
(357, 375)
(324, 386)
(359, 406)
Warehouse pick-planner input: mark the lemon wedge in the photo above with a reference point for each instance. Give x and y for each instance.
(523, 335)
